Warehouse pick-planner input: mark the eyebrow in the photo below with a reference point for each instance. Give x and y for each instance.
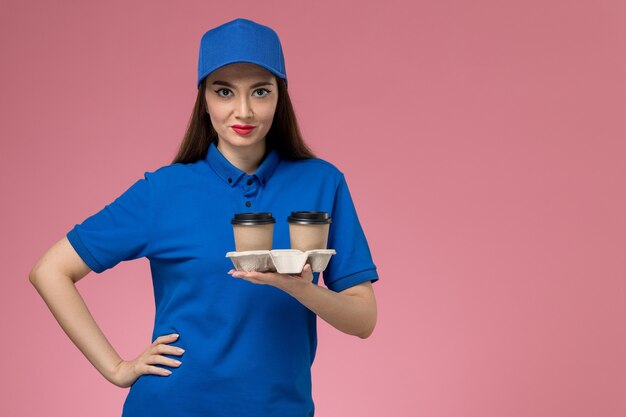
(227, 84)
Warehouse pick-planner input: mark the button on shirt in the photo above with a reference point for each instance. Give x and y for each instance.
(248, 347)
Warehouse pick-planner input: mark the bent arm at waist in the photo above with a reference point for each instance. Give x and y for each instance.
(58, 290)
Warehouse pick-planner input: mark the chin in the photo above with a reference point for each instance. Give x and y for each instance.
(244, 141)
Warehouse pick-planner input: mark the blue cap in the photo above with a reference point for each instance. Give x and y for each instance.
(241, 40)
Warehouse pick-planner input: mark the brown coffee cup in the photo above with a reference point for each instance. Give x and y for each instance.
(253, 231)
(308, 230)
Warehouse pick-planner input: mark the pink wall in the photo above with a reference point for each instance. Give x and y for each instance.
(490, 184)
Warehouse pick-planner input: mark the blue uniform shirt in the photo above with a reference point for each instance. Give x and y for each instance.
(248, 347)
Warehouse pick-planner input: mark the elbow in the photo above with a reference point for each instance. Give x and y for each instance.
(35, 274)
(367, 334)
(371, 323)
(35, 271)
(369, 316)
(32, 276)
(34, 279)
(369, 330)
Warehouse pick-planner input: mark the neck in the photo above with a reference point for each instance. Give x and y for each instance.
(246, 158)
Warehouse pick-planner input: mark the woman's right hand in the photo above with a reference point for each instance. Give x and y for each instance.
(127, 372)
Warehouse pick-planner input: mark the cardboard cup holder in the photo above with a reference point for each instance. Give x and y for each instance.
(283, 261)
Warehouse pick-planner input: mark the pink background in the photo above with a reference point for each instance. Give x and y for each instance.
(483, 143)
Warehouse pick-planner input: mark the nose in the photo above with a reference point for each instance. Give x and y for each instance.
(244, 108)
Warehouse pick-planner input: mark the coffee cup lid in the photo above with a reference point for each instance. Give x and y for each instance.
(251, 219)
(309, 217)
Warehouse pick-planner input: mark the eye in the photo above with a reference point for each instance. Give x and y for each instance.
(263, 89)
(222, 89)
(255, 91)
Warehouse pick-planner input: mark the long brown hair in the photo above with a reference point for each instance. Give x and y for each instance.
(284, 135)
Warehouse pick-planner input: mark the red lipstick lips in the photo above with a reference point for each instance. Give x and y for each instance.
(243, 129)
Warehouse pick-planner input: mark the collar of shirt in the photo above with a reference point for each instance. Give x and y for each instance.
(231, 174)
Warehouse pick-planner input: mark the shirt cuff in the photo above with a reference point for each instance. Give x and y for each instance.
(83, 252)
(353, 279)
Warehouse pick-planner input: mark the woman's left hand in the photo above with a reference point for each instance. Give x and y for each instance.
(286, 282)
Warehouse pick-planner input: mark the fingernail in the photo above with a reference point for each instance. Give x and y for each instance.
(175, 334)
(168, 371)
(180, 350)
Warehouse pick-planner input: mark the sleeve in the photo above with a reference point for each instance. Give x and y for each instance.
(118, 232)
(352, 264)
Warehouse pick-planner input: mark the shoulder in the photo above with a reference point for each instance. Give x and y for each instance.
(173, 173)
(322, 163)
(317, 167)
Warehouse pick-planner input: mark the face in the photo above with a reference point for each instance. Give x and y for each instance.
(241, 94)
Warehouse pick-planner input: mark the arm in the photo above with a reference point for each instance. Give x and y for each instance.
(54, 277)
(352, 311)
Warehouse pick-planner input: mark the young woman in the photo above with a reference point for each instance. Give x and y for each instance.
(248, 339)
